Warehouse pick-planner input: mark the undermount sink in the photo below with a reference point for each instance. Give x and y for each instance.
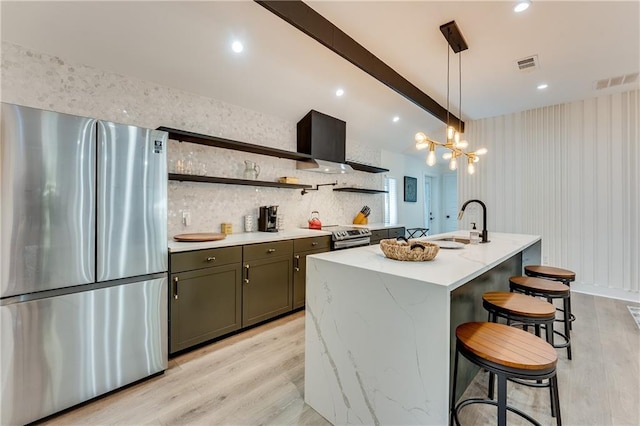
(454, 239)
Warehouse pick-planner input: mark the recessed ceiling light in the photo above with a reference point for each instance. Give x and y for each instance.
(542, 86)
(237, 47)
(521, 6)
(395, 119)
(339, 92)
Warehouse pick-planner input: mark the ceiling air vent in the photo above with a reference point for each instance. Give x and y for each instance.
(528, 63)
(605, 83)
(630, 78)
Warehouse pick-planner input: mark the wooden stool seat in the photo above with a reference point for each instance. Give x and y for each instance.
(556, 274)
(518, 304)
(509, 353)
(540, 285)
(550, 272)
(550, 290)
(507, 346)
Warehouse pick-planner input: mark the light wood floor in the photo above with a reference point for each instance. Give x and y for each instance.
(257, 378)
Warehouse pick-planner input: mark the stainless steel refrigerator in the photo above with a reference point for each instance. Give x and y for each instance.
(83, 258)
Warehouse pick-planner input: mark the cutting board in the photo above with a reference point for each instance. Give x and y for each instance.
(199, 237)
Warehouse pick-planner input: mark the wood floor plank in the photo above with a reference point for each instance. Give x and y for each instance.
(257, 378)
(623, 365)
(600, 386)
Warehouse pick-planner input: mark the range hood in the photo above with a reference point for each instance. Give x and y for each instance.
(322, 137)
(324, 166)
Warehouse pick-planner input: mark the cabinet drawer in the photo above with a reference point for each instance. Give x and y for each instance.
(314, 243)
(378, 234)
(267, 250)
(197, 259)
(396, 232)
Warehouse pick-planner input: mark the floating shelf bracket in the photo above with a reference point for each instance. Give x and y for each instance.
(305, 190)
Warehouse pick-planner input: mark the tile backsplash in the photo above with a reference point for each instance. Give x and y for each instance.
(42, 81)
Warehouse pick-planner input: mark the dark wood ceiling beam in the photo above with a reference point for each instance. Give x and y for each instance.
(310, 22)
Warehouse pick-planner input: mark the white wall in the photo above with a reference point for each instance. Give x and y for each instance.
(38, 80)
(412, 215)
(570, 173)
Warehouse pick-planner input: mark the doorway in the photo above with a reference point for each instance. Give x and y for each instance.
(433, 203)
(429, 199)
(450, 202)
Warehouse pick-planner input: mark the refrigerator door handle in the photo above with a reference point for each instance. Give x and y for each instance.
(175, 288)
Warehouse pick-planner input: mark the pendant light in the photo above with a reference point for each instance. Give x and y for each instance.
(455, 142)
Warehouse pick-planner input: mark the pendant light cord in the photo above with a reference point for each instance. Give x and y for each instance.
(460, 86)
(448, 52)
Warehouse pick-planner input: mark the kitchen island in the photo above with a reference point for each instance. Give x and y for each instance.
(380, 333)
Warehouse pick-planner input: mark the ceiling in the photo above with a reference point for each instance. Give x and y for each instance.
(284, 73)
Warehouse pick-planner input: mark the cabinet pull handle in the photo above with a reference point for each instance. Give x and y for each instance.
(297, 264)
(211, 259)
(246, 275)
(315, 243)
(175, 288)
(271, 250)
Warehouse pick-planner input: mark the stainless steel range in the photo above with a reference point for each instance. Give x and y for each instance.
(343, 237)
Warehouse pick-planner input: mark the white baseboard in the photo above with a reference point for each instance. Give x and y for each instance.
(613, 293)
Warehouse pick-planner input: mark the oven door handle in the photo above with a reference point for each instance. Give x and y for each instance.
(356, 242)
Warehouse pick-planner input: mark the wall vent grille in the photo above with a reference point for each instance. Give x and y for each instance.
(605, 83)
(528, 63)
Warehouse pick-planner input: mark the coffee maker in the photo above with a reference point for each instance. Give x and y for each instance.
(267, 219)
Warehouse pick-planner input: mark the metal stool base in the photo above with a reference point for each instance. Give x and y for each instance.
(470, 401)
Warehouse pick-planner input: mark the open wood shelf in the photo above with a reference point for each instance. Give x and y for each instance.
(366, 168)
(361, 190)
(229, 181)
(184, 136)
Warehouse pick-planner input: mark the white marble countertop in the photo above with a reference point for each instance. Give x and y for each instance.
(451, 267)
(242, 238)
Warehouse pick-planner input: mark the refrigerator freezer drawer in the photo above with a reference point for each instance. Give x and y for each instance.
(60, 351)
(132, 201)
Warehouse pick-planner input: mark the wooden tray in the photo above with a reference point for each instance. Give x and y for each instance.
(199, 237)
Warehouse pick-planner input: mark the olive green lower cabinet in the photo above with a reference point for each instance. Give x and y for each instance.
(268, 281)
(302, 248)
(218, 291)
(381, 234)
(205, 295)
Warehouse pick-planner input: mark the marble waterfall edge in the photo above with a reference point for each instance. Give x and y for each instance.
(396, 377)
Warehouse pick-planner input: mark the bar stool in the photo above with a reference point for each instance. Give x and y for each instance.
(519, 309)
(417, 232)
(522, 309)
(549, 290)
(509, 353)
(565, 276)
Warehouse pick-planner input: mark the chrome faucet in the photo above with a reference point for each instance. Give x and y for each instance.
(484, 237)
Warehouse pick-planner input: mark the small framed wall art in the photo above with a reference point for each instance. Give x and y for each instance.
(410, 189)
